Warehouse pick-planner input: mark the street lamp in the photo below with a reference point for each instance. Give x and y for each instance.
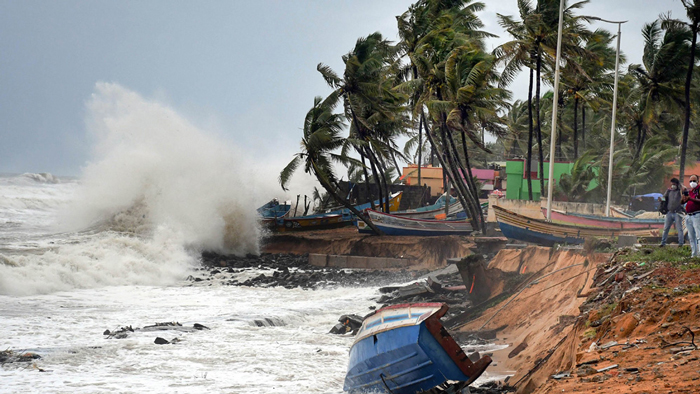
(614, 108)
(555, 107)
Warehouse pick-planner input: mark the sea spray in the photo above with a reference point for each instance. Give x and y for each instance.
(156, 192)
(181, 177)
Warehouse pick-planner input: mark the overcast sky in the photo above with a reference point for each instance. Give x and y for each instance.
(245, 70)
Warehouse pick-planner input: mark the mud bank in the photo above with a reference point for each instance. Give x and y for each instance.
(636, 332)
(532, 303)
(428, 252)
(591, 322)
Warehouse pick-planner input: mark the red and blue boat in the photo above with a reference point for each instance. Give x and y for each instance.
(399, 225)
(542, 232)
(605, 221)
(404, 349)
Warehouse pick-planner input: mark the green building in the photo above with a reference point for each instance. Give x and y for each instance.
(516, 178)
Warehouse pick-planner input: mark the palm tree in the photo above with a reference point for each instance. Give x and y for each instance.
(576, 186)
(376, 111)
(534, 46)
(432, 30)
(585, 76)
(692, 8)
(665, 54)
(322, 129)
(515, 122)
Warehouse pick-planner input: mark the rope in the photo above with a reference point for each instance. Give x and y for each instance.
(526, 287)
(557, 284)
(381, 375)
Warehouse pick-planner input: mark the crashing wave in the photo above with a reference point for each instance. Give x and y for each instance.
(42, 177)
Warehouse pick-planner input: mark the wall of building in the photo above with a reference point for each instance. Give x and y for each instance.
(517, 183)
(430, 176)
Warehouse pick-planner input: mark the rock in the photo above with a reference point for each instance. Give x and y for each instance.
(586, 371)
(198, 326)
(106, 332)
(161, 341)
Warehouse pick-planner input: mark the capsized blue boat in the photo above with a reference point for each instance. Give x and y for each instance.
(274, 209)
(404, 349)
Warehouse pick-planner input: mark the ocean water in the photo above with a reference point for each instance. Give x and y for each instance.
(113, 247)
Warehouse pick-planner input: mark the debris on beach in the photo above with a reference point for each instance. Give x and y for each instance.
(125, 331)
(10, 356)
(347, 324)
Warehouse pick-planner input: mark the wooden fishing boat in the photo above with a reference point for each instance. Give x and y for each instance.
(394, 203)
(274, 209)
(398, 225)
(312, 222)
(618, 213)
(271, 212)
(429, 212)
(542, 232)
(404, 349)
(603, 221)
(328, 220)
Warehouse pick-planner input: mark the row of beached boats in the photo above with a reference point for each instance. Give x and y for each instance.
(432, 220)
(436, 220)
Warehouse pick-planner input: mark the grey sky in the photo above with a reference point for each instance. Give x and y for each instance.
(243, 69)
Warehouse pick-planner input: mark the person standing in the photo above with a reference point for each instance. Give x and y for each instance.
(692, 207)
(672, 196)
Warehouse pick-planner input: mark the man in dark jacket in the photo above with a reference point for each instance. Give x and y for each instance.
(672, 196)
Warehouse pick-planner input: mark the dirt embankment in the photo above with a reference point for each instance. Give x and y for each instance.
(430, 252)
(641, 324)
(540, 305)
(598, 322)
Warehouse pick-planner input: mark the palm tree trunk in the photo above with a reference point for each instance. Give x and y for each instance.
(559, 137)
(688, 79)
(528, 161)
(396, 164)
(377, 178)
(455, 164)
(443, 163)
(332, 191)
(470, 179)
(575, 126)
(583, 125)
(364, 170)
(382, 172)
(539, 123)
(420, 147)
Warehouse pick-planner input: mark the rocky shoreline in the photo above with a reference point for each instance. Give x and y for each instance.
(292, 271)
(396, 286)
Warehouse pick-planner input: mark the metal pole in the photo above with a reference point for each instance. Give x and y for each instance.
(555, 105)
(612, 126)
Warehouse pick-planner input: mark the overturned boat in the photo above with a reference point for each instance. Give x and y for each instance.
(404, 349)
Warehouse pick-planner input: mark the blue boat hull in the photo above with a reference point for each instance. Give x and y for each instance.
(526, 235)
(387, 230)
(404, 360)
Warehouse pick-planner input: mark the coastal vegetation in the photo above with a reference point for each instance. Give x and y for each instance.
(442, 92)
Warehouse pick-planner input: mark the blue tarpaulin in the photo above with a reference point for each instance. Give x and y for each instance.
(649, 195)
